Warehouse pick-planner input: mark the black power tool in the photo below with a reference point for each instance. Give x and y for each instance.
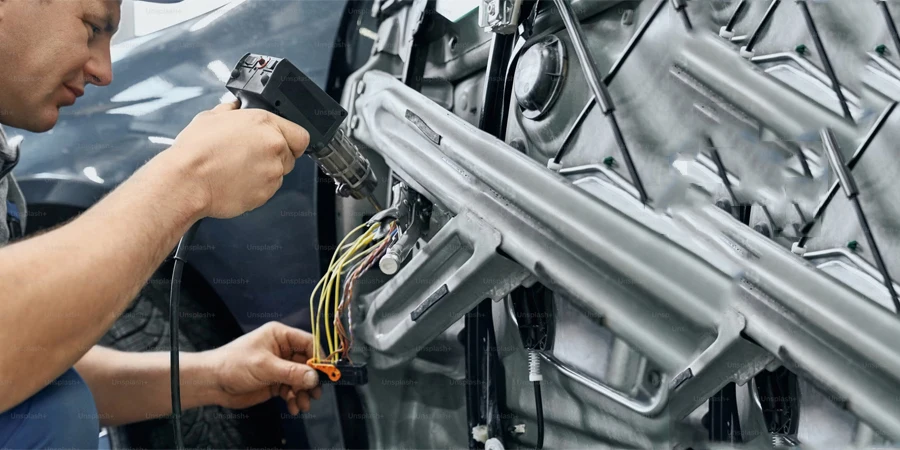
(277, 86)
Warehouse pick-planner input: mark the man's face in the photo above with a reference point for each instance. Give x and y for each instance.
(50, 50)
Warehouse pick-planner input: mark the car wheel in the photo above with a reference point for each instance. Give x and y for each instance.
(204, 324)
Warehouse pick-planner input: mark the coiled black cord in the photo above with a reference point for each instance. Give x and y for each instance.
(174, 297)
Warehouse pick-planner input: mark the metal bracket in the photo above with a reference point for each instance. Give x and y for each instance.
(499, 16)
(454, 271)
(729, 358)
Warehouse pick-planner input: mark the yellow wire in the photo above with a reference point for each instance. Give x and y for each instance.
(345, 255)
(334, 279)
(325, 295)
(343, 263)
(313, 312)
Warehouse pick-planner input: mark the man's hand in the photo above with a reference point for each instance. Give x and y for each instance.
(264, 363)
(238, 158)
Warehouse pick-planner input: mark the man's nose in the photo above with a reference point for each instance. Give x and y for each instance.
(98, 69)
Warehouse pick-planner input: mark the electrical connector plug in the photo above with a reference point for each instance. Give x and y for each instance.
(342, 373)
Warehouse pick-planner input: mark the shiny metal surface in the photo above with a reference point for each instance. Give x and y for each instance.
(765, 306)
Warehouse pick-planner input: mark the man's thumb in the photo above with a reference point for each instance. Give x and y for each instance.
(298, 376)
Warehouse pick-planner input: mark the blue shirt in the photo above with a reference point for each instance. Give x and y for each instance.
(62, 415)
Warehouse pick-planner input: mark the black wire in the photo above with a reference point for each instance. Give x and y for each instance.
(804, 163)
(850, 165)
(633, 42)
(598, 87)
(174, 298)
(870, 239)
(754, 38)
(734, 17)
(539, 412)
(571, 133)
(851, 189)
(609, 77)
(720, 168)
(829, 69)
(681, 8)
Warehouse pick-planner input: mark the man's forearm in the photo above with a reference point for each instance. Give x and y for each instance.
(89, 271)
(132, 387)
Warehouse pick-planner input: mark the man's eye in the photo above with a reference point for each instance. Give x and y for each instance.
(94, 29)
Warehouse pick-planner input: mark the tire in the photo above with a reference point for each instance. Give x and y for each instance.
(205, 324)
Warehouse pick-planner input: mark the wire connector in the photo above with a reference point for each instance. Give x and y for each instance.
(726, 33)
(342, 373)
(797, 249)
(553, 165)
(534, 366)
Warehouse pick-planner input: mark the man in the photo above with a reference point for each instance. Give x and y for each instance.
(60, 291)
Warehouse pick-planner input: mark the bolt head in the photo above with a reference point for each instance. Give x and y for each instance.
(609, 161)
(492, 10)
(763, 230)
(801, 49)
(360, 88)
(853, 245)
(881, 49)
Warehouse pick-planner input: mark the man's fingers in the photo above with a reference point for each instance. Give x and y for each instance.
(297, 138)
(228, 106)
(298, 341)
(291, 400)
(301, 399)
(285, 392)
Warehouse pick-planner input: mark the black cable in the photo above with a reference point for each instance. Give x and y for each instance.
(892, 27)
(829, 69)
(607, 80)
(601, 93)
(539, 412)
(734, 16)
(804, 163)
(571, 133)
(775, 228)
(757, 33)
(681, 7)
(851, 189)
(879, 123)
(174, 297)
(633, 42)
(720, 168)
(876, 253)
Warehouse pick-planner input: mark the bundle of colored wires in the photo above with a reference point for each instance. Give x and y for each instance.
(350, 260)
